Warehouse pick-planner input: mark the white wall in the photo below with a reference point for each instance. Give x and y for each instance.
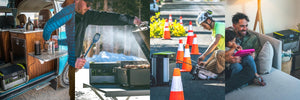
(276, 14)
(297, 4)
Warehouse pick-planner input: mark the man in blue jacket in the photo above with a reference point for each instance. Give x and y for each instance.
(83, 17)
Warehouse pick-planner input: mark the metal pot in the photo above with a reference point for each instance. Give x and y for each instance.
(50, 47)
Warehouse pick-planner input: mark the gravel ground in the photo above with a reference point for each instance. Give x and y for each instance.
(47, 93)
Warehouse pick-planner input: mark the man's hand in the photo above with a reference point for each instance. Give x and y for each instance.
(200, 60)
(80, 63)
(136, 21)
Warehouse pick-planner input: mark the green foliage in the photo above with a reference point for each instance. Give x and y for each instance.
(157, 27)
(129, 7)
(177, 30)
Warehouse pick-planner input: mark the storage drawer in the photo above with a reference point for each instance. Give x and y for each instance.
(139, 77)
(121, 76)
(18, 35)
(13, 35)
(102, 72)
(132, 77)
(22, 36)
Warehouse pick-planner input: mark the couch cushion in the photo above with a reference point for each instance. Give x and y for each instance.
(279, 86)
(265, 59)
(277, 45)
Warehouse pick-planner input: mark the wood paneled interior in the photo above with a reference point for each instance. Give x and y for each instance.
(34, 66)
(31, 38)
(1, 47)
(5, 46)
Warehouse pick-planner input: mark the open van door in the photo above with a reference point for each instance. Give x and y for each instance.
(63, 79)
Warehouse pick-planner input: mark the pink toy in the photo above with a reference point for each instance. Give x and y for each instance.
(244, 52)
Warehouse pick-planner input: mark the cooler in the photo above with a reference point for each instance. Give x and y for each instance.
(161, 67)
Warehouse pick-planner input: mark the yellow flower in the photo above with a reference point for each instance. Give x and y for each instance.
(157, 27)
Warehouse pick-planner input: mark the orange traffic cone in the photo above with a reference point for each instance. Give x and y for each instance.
(180, 53)
(190, 36)
(167, 31)
(187, 63)
(176, 87)
(195, 49)
(180, 21)
(170, 19)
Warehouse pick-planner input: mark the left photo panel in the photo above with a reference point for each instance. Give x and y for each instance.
(34, 49)
(74, 49)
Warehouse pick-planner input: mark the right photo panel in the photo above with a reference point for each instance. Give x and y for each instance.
(262, 50)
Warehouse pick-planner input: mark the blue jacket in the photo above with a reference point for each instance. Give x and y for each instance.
(65, 16)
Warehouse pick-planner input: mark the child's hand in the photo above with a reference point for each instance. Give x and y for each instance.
(202, 63)
(239, 47)
(236, 59)
(200, 59)
(234, 45)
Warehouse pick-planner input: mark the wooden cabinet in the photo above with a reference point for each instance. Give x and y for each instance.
(34, 66)
(5, 46)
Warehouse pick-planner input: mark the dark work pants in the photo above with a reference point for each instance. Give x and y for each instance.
(72, 82)
(245, 76)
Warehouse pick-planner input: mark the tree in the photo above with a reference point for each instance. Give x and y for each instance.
(130, 7)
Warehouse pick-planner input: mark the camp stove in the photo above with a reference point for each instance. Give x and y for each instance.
(133, 73)
(124, 73)
(102, 72)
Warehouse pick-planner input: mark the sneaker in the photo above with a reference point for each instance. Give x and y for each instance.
(259, 81)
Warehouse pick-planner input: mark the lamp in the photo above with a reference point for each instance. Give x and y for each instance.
(259, 19)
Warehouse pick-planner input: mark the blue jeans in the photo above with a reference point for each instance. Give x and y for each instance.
(241, 74)
(246, 61)
(241, 78)
(235, 68)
